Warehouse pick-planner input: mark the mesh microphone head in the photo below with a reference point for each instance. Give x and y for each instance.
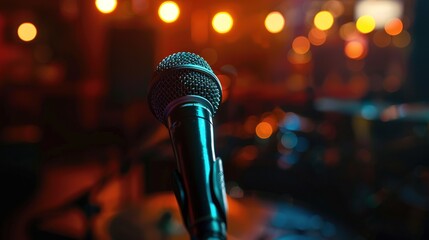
(180, 75)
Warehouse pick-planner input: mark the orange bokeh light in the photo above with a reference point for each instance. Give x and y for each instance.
(264, 130)
(394, 27)
(354, 50)
(317, 37)
(301, 45)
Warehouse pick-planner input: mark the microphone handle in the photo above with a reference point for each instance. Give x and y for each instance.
(199, 182)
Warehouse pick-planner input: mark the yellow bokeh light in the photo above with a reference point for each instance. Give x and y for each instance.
(301, 45)
(222, 22)
(394, 27)
(323, 20)
(106, 6)
(169, 11)
(354, 50)
(27, 31)
(365, 24)
(264, 130)
(274, 22)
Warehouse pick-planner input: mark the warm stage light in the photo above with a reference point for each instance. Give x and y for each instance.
(222, 22)
(365, 24)
(27, 32)
(394, 27)
(264, 130)
(354, 50)
(106, 6)
(301, 45)
(169, 11)
(323, 20)
(274, 22)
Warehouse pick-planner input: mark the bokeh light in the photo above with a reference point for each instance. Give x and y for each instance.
(264, 130)
(301, 45)
(354, 50)
(402, 40)
(274, 22)
(289, 140)
(381, 39)
(317, 37)
(394, 27)
(291, 122)
(348, 31)
(323, 20)
(271, 119)
(296, 58)
(365, 24)
(222, 22)
(381, 10)
(106, 6)
(27, 31)
(369, 112)
(335, 7)
(169, 11)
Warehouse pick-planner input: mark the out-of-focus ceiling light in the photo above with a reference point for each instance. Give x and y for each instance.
(222, 22)
(169, 11)
(381, 10)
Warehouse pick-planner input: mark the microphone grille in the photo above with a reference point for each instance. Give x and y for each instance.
(182, 74)
(182, 58)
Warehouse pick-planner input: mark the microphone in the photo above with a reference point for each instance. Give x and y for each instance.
(184, 95)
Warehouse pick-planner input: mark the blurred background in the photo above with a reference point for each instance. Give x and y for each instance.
(323, 128)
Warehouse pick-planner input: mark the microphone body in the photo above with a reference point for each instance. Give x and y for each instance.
(199, 181)
(184, 96)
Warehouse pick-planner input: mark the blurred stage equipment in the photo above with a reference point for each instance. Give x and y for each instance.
(184, 95)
